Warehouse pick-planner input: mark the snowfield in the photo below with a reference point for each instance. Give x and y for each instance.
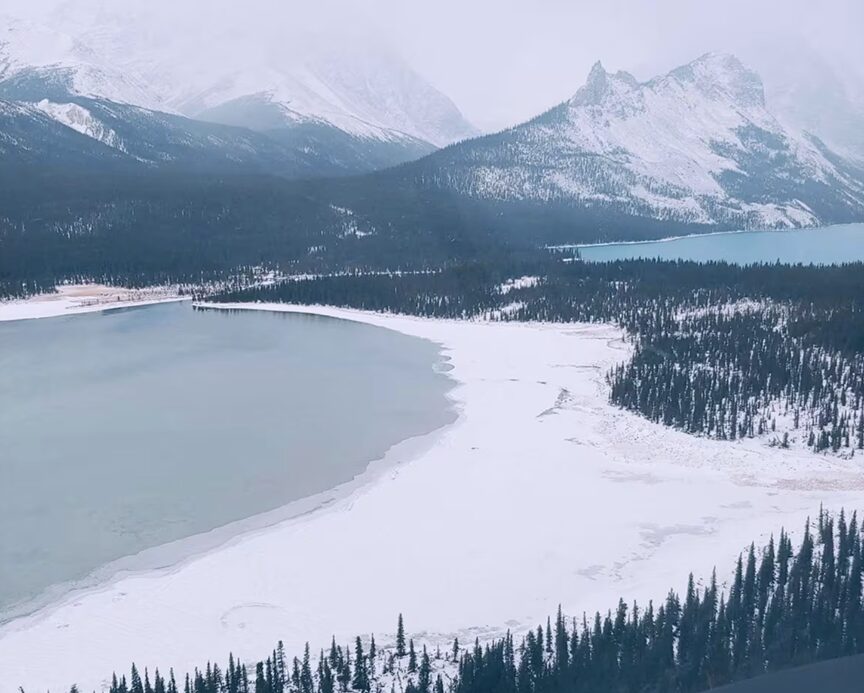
(541, 493)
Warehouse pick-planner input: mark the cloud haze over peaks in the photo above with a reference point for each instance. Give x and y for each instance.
(501, 61)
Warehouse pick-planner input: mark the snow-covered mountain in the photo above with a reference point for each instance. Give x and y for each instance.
(358, 107)
(103, 136)
(695, 146)
(30, 136)
(808, 92)
(54, 62)
(365, 92)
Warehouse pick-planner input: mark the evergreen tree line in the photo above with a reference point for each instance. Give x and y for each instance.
(785, 607)
(718, 350)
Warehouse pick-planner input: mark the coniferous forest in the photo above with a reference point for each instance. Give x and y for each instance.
(719, 350)
(788, 604)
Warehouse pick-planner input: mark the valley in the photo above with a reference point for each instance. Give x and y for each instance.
(314, 381)
(536, 447)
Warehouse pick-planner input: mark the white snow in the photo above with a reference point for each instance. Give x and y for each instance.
(121, 55)
(668, 129)
(72, 299)
(523, 282)
(81, 120)
(541, 493)
(664, 145)
(363, 92)
(350, 224)
(27, 44)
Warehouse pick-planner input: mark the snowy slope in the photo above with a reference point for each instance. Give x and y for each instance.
(364, 92)
(81, 120)
(33, 53)
(99, 135)
(697, 145)
(358, 88)
(810, 93)
(31, 135)
(104, 84)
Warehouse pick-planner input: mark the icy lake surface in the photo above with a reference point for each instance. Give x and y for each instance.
(122, 431)
(823, 246)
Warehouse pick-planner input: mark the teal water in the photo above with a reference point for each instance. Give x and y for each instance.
(829, 245)
(124, 430)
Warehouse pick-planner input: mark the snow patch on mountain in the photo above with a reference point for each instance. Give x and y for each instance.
(81, 120)
(29, 50)
(350, 224)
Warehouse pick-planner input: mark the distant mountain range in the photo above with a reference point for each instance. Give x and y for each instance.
(691, 151)
(333, 113)
(695, 146)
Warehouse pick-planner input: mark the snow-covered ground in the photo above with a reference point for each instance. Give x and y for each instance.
(71, 299)
(541, 493)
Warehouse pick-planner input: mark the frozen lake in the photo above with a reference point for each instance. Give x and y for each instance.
(829, 245)
(124, 430)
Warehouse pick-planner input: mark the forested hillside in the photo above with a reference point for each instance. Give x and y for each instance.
(719, 350)
(140, 227)
(784, 607)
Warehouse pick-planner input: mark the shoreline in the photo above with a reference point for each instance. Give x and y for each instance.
(539, 494)
(171, 556)
(669, 239)
(78, 299)
(164, 559)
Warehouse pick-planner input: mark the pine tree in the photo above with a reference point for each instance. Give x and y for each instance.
(306, 681)
(326, 683)
(260, 680)
(400, 638)
(412, 657)
(135, 681)
(344, 676)
(361, 673)
(424, 679)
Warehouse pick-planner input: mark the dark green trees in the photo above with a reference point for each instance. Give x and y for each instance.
(400, 638)
(784, 607)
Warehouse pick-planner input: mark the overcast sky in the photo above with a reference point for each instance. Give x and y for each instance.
(502, 61)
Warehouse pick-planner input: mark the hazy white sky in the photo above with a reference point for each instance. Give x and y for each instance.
(502, 61)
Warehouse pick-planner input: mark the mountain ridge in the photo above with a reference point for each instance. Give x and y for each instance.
(692, 151)
(696, 145)
(360, 89)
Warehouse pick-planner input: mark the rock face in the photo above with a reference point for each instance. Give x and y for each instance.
(695, 146)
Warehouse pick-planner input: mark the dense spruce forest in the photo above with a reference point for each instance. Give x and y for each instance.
(784, 608)
(142, 227)
(718, 350)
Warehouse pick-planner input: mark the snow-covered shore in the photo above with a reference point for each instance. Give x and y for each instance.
(73, 299)
(541, 493)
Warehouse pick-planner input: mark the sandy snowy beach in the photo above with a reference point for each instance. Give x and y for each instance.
(541, 493)
(73, 299)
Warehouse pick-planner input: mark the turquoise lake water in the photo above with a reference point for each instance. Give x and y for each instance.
(124, 430)
(821, 246)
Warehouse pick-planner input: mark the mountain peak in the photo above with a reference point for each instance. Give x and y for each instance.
(696, 146)
(721, 73)
(600, 84)
(597, 73)
(357, 86)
